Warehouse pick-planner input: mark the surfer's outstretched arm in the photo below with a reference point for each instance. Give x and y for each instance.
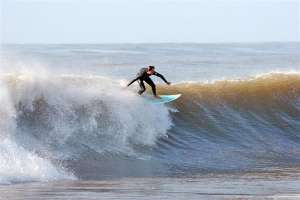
(162, 77)
(139, 76)
(133, 81)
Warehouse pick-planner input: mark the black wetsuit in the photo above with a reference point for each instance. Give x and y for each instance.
(144, 76)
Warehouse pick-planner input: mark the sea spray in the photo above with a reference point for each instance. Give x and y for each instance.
(16, 163)
(57, 118)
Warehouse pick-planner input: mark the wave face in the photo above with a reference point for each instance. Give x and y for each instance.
(66, 127)
(237, 124)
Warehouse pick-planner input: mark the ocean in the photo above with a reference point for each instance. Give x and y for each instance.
(69, 128)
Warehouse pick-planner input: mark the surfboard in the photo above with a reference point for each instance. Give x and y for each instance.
(163, 98)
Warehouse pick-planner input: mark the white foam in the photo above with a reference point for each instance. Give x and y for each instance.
(80, 110)
(16, 163)
(19, 165)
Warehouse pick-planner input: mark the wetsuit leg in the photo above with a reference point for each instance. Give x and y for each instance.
(150, 82)
(142, 86)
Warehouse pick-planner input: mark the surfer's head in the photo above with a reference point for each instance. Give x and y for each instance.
(151, 69)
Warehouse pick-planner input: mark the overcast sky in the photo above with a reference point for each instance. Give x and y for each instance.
(127, 21)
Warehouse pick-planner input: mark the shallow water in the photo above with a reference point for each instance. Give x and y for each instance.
(272, 184)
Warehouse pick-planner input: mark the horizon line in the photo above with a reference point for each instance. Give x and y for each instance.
(145, 43)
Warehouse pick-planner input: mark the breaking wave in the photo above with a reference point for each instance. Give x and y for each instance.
(67, 126)
(51, 119)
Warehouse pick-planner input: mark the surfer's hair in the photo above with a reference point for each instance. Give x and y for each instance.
(151, 67)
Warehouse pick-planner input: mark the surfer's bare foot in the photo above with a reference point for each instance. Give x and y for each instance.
(156, 97)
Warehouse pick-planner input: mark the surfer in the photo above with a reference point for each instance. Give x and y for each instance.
(144, 75)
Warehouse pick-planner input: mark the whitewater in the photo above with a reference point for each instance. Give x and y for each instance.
(66, 118)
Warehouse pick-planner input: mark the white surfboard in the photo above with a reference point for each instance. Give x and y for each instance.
(163, 98)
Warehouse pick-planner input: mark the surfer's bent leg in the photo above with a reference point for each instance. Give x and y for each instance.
(142, 86)
(150, 82)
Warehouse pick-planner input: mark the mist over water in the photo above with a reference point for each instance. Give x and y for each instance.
(65, 115)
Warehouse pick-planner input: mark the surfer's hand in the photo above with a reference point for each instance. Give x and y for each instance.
(169, 83)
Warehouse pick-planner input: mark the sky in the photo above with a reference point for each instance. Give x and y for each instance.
(149, 21)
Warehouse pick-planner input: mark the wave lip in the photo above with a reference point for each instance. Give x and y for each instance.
(267, 89)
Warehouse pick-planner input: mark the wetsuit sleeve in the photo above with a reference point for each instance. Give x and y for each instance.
(133, 81)
(160, 76)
